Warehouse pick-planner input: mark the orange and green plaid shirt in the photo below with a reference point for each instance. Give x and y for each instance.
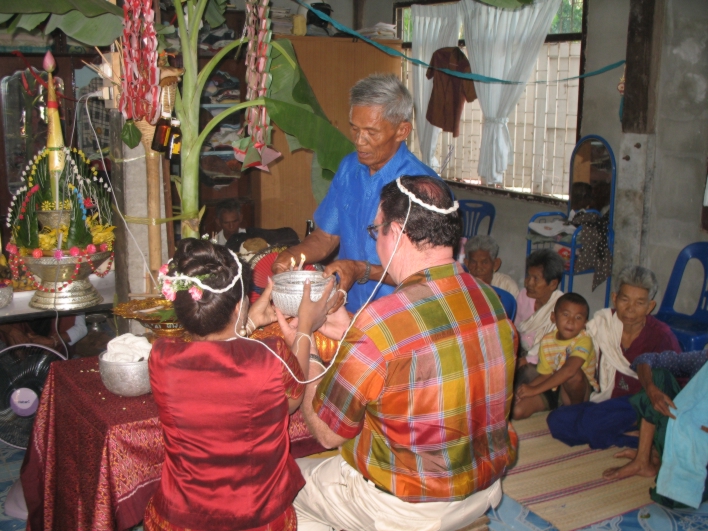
(422, 387)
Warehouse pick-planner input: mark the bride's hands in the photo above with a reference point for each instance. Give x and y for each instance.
(262, 312)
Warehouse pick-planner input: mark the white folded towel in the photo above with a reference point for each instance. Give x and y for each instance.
(128, 347)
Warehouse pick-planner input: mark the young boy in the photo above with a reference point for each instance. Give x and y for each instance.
(566, 362)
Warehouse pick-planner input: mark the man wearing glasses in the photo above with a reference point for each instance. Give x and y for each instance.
(380, 118)
(419, 394)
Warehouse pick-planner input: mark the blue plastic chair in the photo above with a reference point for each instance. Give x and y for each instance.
(473, 212)
(690, 330)
(508, 301)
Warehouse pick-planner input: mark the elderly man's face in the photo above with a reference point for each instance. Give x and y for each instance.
(229, 222)
(375, 138)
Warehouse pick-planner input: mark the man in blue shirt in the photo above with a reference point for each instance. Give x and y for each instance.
(380, 117)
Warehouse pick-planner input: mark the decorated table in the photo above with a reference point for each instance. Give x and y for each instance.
(94, 458)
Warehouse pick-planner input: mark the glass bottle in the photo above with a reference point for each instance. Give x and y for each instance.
(174, 144)
(310, 226)
(162, 133)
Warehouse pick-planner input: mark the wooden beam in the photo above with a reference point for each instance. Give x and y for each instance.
(642, 68)
(358, 13)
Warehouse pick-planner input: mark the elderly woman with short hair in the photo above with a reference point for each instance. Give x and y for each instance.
(621, 334)
(482, 260)
(544, 272)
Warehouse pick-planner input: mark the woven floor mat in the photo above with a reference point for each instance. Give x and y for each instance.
(564, 484)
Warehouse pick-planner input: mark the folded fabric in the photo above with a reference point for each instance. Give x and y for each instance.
(128, 347)
(552, 228)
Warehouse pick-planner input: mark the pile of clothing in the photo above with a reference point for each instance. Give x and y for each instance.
(282, 22)
(222, 87)
(380, 30)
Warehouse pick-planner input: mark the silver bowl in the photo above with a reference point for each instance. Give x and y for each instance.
(288, 288)
(5, 296)
(53, 272)
(124, 378)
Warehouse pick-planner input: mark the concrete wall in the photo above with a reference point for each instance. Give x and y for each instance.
(606, 44)
(676, 194)
(378, 11)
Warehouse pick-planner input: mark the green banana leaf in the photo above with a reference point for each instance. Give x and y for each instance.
(29, 21)
(79, 233)
(100, 30)
(312, 131)
(293, 106)
(214, 13)
(89, 8)
(26, 231)
(289, 82)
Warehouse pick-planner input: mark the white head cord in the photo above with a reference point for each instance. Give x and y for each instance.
(412, 199)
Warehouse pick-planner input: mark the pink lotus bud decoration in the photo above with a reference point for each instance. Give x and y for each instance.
(74, 251)
(37, 253)
(90, 248)
(49, 63)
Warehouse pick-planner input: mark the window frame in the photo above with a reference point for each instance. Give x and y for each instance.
(550, 38)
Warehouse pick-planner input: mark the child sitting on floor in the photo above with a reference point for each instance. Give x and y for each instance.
(566, 362)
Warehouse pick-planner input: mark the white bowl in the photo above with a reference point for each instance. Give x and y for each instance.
(288, 288)
(124, 378)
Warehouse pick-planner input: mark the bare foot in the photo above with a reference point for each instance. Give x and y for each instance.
(627, 453)
(633, 468)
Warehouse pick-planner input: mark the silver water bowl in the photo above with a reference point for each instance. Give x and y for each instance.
(288, 288)
(124, 378)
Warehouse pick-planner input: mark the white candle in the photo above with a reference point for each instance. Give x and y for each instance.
(292, 263)
(302, 262)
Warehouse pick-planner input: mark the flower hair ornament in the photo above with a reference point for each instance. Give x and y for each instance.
(417, 201)
(171, 284)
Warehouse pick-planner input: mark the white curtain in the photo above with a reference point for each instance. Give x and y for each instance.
(503, 44)
(434, 27)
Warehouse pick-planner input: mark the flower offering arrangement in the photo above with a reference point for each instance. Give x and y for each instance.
(60, 220)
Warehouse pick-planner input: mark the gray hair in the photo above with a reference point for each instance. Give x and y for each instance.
(639, 277)
(482, 242)
(386, 91)
(550, 261)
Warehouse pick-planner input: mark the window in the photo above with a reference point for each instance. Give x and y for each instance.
(544, 125)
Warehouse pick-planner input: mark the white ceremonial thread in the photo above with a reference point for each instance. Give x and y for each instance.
(412, 197)
(209, 288)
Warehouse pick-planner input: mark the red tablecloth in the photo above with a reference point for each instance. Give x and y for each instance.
(94, 459)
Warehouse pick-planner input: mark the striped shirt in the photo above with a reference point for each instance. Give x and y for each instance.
(422, 388)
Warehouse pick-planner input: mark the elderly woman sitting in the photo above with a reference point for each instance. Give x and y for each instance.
(535, 303)
(482, 260)
(621, 334)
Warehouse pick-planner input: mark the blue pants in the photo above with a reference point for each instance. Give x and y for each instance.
(600, 425)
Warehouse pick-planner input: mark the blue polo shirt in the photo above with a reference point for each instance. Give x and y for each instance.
(350, 206)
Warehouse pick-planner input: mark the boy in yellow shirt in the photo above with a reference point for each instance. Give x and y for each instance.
(566, 362)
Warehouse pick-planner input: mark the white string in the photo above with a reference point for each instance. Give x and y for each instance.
(412, 197)
(351, 324)
(209, 288)
(115, 199)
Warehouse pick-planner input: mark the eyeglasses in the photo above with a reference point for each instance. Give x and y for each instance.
(373, 230)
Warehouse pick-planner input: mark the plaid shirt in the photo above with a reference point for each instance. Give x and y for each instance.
(423, 386)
